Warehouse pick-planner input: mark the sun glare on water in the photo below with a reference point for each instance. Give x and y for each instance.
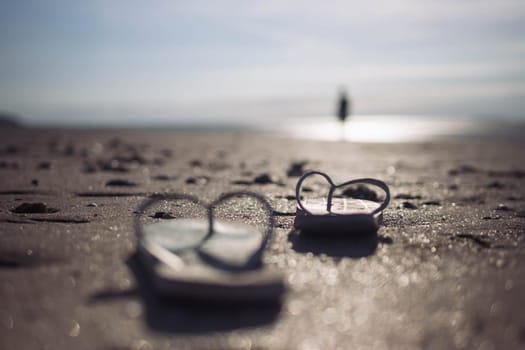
(380, 129)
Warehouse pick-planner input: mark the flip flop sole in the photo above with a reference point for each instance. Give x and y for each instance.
(171, 251)
(348, 216)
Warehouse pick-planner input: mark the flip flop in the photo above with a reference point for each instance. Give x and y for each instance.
(208, 259)
(336, 216)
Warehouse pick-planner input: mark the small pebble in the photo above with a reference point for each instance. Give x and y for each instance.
(163, 215)
(74, 329)
(120, 183)
(407, 196)
(518, 174)
(463, 169)
(34, 182)
(386, 240)
(496, 185)
(409, 205)
(263, 179)
(488, 217)
(8, 165)
(11, 149)
(242, 182)
(361, 192)
(195, 163)
(69, 150)
(44, 165)
(113, 165)
(502, 207)
(93, 204)
(31, 208)
(163, 177)
(296, 169)
(197, 180)
(432, 202)
(168, 153)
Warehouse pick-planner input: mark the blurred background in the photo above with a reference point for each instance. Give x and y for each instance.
(450, 65)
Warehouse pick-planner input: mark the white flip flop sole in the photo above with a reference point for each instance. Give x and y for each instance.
(171, 252)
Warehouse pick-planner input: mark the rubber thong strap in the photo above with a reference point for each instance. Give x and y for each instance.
(159, 251)
(333, 187)
(256, 258)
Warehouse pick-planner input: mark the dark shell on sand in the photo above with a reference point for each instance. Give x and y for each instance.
(361, 192)
(296, 169)
(409, 205)
(163, 215)
(33, 208)
(120, 183)
(263, 179)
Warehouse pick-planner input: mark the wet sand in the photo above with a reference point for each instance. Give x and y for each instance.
(446, 269)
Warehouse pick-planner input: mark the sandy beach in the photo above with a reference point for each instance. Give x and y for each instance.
(446, 270)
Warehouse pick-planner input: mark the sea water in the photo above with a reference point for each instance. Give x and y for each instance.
(358, 128)
(396, 128)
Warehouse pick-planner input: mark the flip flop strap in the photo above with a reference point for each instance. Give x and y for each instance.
(333, 187)
(158, 250)
(256, 258)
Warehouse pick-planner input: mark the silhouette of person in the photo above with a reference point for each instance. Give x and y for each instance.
(343, 106)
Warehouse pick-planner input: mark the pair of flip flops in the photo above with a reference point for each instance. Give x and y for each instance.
(213, 259)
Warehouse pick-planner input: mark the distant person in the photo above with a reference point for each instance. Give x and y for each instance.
(343, 107)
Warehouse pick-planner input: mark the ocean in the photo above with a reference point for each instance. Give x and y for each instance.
(396, 128)
(358, 128)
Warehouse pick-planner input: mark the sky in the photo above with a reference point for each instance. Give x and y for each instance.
(119, 61)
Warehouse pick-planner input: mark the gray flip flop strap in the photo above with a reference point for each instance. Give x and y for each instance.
(375, 182)
(256, 258)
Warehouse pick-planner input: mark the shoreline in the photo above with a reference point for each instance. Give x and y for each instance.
(359, 128)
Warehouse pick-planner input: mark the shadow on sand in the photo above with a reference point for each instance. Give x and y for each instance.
(189, 316)
(337, 246)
